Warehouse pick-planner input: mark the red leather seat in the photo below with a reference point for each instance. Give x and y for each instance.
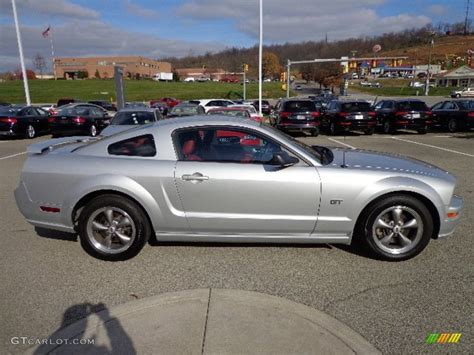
(189, 150)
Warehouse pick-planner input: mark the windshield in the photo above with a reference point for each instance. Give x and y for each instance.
(234, 113)
(73, 111)
(412, 106)
(285, 137)
(184, 110)
(133, 118)
(298, 106)
(355, 107)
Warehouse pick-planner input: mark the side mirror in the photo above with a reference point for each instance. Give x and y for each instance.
(283, 159)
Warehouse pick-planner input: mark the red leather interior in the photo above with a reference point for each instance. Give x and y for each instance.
(188, 150)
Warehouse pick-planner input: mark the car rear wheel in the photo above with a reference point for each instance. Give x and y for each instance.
(113, 228)
(369, 131)
(387, 127)
(30, 132)
(315, 132)
(93, 131)
(422, 131)
(396, 228)
(453, 125)
(332, 129)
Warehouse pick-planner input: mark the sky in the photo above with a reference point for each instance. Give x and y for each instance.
(162, 28)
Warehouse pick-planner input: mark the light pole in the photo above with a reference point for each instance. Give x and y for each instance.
(260, 61)
(20, 49)
(428, 74)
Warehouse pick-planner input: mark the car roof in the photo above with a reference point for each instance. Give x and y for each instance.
(229, 109)
(138, 109)
(189, 121)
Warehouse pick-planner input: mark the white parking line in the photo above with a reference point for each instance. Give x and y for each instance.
(336, 141)
(12, 156)
(434, 146)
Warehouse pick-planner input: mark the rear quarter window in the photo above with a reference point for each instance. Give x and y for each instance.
(141, 146)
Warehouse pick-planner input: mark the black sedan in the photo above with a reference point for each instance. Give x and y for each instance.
(186, 109)
(25, 122)
(79, 119)
(104, 104)
(266, 107)
(455, 115)
(343, 116)
(403, 114)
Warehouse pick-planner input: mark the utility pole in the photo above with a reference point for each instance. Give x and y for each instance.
(22, 60)
(260, 60)
(288, 79)
(466, 20)
(428, 74)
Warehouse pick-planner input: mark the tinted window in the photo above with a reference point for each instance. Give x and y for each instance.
(141, 146)
(437, 106)
(224, 145)
(378, 106)
(7, 111)
(387, 105)
(449, 106)
(184, 110)
(412, 106)
(467, 105)
(234, 113)
(355, 107)
(133, 118)
(297, 106)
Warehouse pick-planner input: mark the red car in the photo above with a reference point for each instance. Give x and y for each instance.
(169, 101)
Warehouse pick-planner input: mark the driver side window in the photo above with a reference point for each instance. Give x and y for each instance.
(224, 145)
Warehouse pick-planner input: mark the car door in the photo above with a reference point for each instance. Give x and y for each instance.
(228, 186)
(439, 115)
(41, 119)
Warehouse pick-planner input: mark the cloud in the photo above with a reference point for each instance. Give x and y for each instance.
(139, 11)
(61, 8)
(304, 19)
(437, 10)
(92, 38)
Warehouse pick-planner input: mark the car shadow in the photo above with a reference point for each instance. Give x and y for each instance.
(81, 342)
(56, 235)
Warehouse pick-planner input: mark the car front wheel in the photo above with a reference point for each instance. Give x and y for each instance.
(113, 228)
(30, 132)
(396, 228)
(93, 131)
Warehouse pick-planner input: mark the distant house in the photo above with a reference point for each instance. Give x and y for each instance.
(201, 73)
(459, 77)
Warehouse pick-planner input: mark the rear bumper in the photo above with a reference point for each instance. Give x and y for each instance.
(449, 224)
(408, 124)
(356, 125)
(309, 126)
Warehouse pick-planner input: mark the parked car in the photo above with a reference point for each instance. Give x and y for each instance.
(403, 114)
(195, 179)
(27, 122)
(66, 101)
(136, 104)
(455, 115)
(79, 119)
(210, 104)
(296, 115)
(170, 101)
(466, 92)
(229, 111)
(4, 103)
(298, 87)
(131, 117)
(186, 109)
(343, 116)
(189, 80)
(106, 105)
(51, 108)
(266, 107)
(251, 110)
(162, 106)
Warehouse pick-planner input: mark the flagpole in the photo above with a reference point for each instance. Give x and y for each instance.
(22, 61)
(52, 52)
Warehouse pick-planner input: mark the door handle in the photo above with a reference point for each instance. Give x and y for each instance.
(194, 177)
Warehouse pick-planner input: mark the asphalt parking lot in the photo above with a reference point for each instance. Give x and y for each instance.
(393, 305)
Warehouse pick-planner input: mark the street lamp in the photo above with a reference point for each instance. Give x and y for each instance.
(428, 74)
(260, 61)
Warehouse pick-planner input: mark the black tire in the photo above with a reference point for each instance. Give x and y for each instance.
(93, 130)
(453, 125)
(422, 131)
(387, 127)
(333, 129)
(30, 132)
(315, 132)
(369, 131)
(141, 227)
(366, 230)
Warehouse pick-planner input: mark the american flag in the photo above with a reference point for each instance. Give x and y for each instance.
(46, 32)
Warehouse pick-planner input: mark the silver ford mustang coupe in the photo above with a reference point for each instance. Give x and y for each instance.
(225, 179)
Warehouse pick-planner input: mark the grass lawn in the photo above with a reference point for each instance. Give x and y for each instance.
(49, 91)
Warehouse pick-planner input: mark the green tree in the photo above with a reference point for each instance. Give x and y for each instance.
(97, 74)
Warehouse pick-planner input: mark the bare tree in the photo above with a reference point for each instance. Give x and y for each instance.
(39, 63)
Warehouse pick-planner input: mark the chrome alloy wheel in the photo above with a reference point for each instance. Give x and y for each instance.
(397, 229)
(30, 131)
(111, 230)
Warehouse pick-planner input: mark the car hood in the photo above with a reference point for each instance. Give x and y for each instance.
(112, 129)
(376, 161)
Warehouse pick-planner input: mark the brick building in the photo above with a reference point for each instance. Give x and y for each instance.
(87, 67)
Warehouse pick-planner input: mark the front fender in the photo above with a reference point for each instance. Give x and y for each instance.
(111, 182)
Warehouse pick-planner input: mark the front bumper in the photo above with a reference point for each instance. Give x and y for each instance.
(448, 224)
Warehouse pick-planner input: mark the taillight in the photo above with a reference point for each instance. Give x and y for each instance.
(285, 114)
(8, 120)
(315, 114)
(51, 119)
(343, 114)
(470, 114)
(79, 119)
(372, 114)
(401, 113)
(428, 113)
